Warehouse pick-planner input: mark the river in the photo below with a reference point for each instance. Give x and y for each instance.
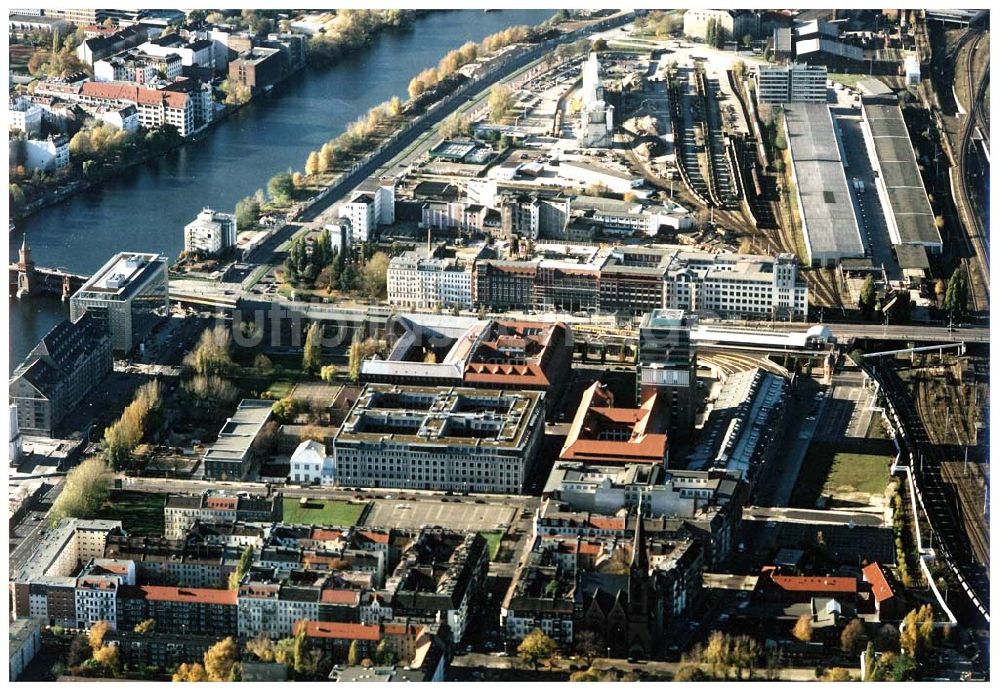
(145, 209)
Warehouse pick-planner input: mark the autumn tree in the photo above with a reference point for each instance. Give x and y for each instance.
(537, 646)
(328, 373)
(916, 633)
(190, 673)
(718, 654)
(690, 672)
(313, 166)
(355, 357)
(500, 102)
(353, 654)
(394, 107)
(221, 659)
(744, 654)
(287, 408)
(95, 637)
(107, 658)
(145, 627)
(211, 355)
(385, 656)
(803, 629)
(852, 637)
(242, 567)
(85, 490)
(312, 352)
(373, 276)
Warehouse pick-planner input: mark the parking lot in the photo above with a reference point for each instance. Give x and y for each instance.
(458, 513)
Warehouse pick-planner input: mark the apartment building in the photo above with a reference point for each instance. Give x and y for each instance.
(417, 281)
(361, 214)
(788, 83)
(210, 233)
(181, 512)
(97, 588)
(735, 23)
(440, 578)
(178, 610)
(164, 562)
(436, 438)
(156, 107)
(49, 154)
(139, 67)
(59, 372)
(24, 116)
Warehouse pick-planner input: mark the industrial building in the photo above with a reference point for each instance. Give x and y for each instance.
(128, 294)
(826, 210)
(908, 213)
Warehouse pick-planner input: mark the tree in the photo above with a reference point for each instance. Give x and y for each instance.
(107, 658)
(145, 627)
(866, 299)
(280, 188)
(589, 675)
(262, 364)
(211, 356)
(599, 45)
(916, 633)
(395, 107)
(588, 644)
(537, 646)
(385, 656)
(242, 567)
(500, 102)
(373, 276)
(353, 655)
(220, 660)
(312, 353)
(956, 297)
(852, 637)
(328, 373)
(744, 654)
(85, 490)
(247, 212)
(690, 672)
(746, 40)
(95, 637)
(718, 654)
(355, 357)
(190, 673)
(837, 675)
(286, 409)
(803, 630)
(313, 166)
(16, 197)
(261, 647)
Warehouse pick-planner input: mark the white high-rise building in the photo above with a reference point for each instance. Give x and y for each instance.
(210, 233)
(791, 83)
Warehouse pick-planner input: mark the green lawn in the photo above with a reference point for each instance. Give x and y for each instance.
(326, 512)
(279, 389)
(850, 80)
(140, 513)
(832, 470)
(493, 539)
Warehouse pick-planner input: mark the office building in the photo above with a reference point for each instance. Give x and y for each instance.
(791, 83)
(667, 367)
(476, 440)
(211, 233)
(602, 433)
(128, 294)
(59, 372)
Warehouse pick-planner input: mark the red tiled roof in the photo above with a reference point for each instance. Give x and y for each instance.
(612, 523)
(123, 91)
(400, 628)
(179, 594)
(818, 584)
(881, 588)
(375, 536)
(581, 548)
(338, 630)
(326, 534)
(340, 596)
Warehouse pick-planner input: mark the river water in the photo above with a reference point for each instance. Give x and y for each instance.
(145, 209)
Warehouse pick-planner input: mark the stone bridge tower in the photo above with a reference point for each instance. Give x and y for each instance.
(25, 270)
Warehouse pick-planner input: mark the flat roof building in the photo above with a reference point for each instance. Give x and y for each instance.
(829, 225)
(129, 293)
(788, 83)
(666, 367)
(232, 455)
(210, 233)
(440, 438)
(908, 213)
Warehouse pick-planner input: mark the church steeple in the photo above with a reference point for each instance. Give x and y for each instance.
(24, 254)
(640, 559)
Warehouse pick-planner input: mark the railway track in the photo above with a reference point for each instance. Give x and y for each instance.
(975, 236)
(950, 536)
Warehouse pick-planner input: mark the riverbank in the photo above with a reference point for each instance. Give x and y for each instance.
(78, 180)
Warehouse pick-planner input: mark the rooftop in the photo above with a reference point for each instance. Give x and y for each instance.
(602, 433)
(122, 276)
(831, 227)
